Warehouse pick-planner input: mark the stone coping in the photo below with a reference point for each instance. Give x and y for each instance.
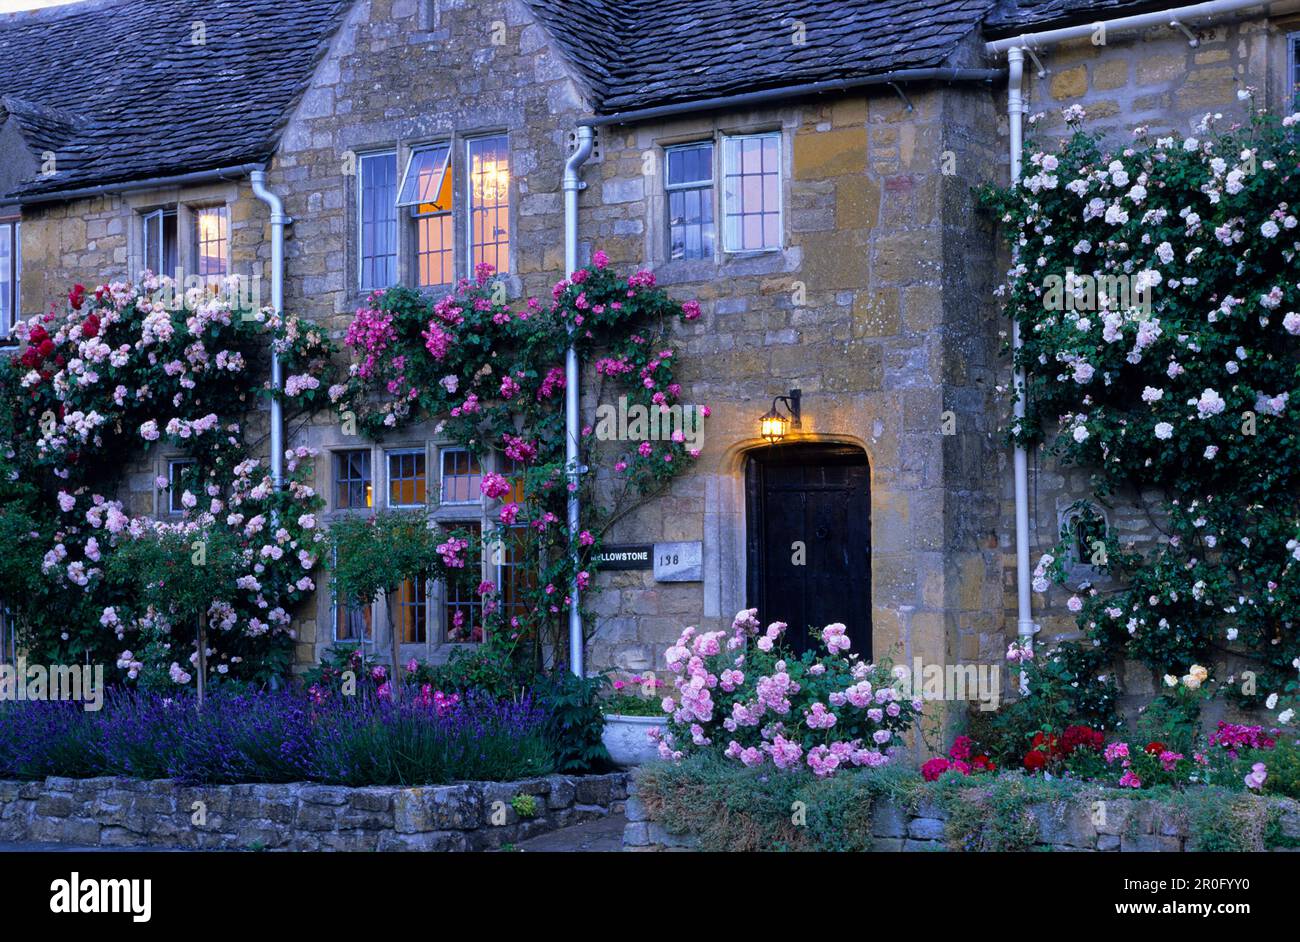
(299, 816)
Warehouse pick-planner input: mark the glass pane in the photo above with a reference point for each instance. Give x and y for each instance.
(212, 235)
(489, 202)
(427, 179)
(378, 220)
(6, 278)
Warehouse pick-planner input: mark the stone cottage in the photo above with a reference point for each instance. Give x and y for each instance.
(805, 170)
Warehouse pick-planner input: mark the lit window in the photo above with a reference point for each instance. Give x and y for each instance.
(461, 477)
(177, 481)
(212, 241)
(160, 246)
(751, 193)
(352, 622)
(11, 272)
(489, 203)
(427, 192)
(406, 478)
(514, 577)
(691, 230)
(413, 611)
(377, 212)
(464, 606)
(352, 481)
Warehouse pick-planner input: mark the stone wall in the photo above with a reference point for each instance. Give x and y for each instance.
(470, 816)
(1140, 825)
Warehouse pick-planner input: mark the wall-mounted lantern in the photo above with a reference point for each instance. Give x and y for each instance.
(773, 425)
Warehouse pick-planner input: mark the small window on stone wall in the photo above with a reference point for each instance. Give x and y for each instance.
(11, 271)
(377, 216)
(1084, 527)
(689, 186)
(427, 194)
(1293, 69)
(751, 192)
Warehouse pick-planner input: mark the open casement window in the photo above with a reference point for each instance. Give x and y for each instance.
(377, 216)
(426, 193)
(751, 193)
(11, 274)
(489, 202)
(689, 191)
(160, 244)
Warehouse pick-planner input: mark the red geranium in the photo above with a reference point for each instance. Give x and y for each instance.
(983, 764)
(1155, 748)
(1035, 760)
(934, 768)
(1081, 737)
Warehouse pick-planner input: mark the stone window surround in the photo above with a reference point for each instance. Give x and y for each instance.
(715, 129)
(185, 201)
(434, 648)
(459, 167)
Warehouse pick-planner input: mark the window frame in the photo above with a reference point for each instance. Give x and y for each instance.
(362, 287)
(196, 238)
(389, 454)
(336, 455)
(13, 290)
(369, 632)
(1292, 86)
(711, 184)
(443, 454)
(471, 262)
(726, 141)
(174, 507)
(414, 218)
(161, 215)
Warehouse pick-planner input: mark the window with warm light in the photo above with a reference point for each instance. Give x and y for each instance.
(377, 217)
(212, 241)
(11, 272)
(461, 477)
(426, 193)
(353, 621)
(489, 202)
(353, 485)
(412, 611)
(406, 477)
(751, 192)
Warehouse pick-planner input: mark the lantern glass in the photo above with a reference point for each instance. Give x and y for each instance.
(772, 427)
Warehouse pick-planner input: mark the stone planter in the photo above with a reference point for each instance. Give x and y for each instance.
(627, 739)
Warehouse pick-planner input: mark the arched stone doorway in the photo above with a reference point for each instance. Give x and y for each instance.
(808, 539)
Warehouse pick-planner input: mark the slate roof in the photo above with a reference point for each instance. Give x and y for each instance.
(670, 51)
(120, 92)
(1023, 16)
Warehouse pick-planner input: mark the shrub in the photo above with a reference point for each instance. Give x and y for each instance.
(576, 721)
(831, 711)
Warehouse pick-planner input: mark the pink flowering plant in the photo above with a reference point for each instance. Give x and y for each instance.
(491, 373)
(111, 377)
(1155, 287)
(743, 694)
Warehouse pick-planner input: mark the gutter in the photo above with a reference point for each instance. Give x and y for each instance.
(794, 91)
(1015, 49)
(235, 172)
(573, 185)
(278, 221)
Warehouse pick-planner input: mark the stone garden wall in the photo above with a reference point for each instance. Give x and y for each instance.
(119, 812)
(1141, 825)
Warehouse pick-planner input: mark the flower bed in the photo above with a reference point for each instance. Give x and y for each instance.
(280, 737)
(704, 803)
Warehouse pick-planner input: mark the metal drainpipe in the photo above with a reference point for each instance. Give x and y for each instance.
(278, 221)
(1025, 627)
(573, 185)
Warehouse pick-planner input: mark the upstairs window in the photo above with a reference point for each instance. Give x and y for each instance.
(377, 212)
(689, 185)
(751, 193)
(1293, 68)
(11, 271)
(161, 248)
(489, 203)
(212, 241)
(427, 194)
(353, 488)
(406, 487)
(461, 477)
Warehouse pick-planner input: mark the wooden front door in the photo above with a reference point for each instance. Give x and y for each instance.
(809, 540)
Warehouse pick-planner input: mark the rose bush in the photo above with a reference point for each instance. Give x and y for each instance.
(744, 694)
(1155, 289)
(101, 381)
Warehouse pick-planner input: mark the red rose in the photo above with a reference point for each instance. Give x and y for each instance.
(38, 335)
(933, 769)
(46, 348)
(77, 296)
(1035, 760)
(983, 764)
(31, 358)
(1155, 748)
(90, 328)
